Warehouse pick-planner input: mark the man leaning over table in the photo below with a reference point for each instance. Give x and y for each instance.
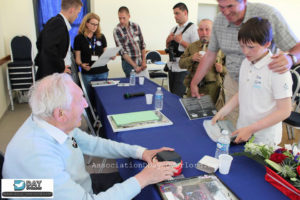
(49, 145)
(128, 35)
(224, 36)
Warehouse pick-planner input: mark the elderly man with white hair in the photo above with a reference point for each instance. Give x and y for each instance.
(50, 146)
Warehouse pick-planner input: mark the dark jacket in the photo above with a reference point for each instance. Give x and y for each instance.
(52, 44)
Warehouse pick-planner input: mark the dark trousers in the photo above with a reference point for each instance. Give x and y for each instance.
(102, 182)
(176, 82)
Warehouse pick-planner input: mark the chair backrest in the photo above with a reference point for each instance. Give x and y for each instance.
(153, 56)
(296, 86)
(21, 48)
(296, 83)
(90, 109)
(89, 123)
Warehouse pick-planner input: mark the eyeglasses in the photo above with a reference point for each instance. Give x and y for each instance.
(93, 24)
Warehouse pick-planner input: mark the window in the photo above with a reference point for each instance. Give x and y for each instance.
(45, 9)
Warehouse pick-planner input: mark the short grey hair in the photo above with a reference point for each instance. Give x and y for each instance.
(50, 93)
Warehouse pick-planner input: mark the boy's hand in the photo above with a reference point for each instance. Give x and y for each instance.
(243, 134)
(218, 116)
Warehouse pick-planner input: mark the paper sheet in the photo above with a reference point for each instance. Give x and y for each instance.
(105, 57)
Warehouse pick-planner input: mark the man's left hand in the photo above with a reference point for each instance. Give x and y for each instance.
(281, 63)
(149, 154)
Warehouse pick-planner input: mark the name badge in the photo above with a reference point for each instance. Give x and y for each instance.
(94, 58)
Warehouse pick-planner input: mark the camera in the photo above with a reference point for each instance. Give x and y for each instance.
(171, 50)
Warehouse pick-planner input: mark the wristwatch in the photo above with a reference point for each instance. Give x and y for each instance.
(294, 58)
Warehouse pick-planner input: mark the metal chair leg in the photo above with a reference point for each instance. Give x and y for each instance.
(288, 132)
(292, 131)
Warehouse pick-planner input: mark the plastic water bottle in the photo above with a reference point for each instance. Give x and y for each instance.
(158, 99)
(223, 144)
(132, 78)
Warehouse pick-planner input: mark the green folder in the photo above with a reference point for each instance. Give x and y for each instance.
(134, 117)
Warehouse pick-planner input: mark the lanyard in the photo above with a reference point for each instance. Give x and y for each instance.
(92, 44)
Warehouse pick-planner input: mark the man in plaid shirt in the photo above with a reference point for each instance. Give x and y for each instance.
(128, 35)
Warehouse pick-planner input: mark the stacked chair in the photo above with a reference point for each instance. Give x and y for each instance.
(20, 72)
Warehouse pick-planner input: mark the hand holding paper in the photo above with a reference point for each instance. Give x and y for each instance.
(106, 56)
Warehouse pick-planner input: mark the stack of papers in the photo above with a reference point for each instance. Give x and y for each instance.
(104, 83)
(138, 120)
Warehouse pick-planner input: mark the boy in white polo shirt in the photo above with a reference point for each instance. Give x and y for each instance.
(264, 97)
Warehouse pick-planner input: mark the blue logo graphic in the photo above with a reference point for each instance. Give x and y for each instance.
(19, 185)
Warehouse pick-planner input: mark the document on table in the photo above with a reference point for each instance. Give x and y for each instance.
(105, 57)
(138, 120)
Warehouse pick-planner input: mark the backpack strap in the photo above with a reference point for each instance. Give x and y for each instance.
(187, 26)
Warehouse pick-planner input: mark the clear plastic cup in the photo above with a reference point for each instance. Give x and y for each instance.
(225, 163)
(141, 80)
(149, 98)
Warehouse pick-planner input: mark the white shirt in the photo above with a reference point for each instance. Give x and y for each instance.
(190, 36)
(259, 88)
(67, 59)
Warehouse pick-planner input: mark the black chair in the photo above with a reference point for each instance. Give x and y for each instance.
(20, 72)
(155, 56)
(293, 121)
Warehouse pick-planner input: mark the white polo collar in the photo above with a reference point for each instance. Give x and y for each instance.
(54, 132)
(263, 61)
(67, 22)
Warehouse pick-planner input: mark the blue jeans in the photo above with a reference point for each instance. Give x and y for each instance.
(87, 78)
(126, 68)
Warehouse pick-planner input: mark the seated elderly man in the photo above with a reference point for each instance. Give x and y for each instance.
(193, 55)
(50, 146)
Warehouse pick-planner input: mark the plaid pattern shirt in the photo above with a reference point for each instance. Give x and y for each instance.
(131, 40)
(225, 34)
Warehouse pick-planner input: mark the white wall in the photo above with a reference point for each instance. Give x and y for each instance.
(154, 16)
(3, 86)
(16, 18)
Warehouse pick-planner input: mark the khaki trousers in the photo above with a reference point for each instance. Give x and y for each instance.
(231, 87)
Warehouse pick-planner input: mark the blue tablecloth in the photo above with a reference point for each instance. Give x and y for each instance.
(187, 137)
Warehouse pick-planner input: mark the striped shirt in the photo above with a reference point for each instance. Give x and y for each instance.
(225, 34)
(131, 40)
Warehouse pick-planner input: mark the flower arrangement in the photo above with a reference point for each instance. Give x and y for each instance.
(285, 162)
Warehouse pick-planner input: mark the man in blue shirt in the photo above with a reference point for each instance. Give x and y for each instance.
(50, 146)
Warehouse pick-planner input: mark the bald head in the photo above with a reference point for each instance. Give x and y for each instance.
(204, 29)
